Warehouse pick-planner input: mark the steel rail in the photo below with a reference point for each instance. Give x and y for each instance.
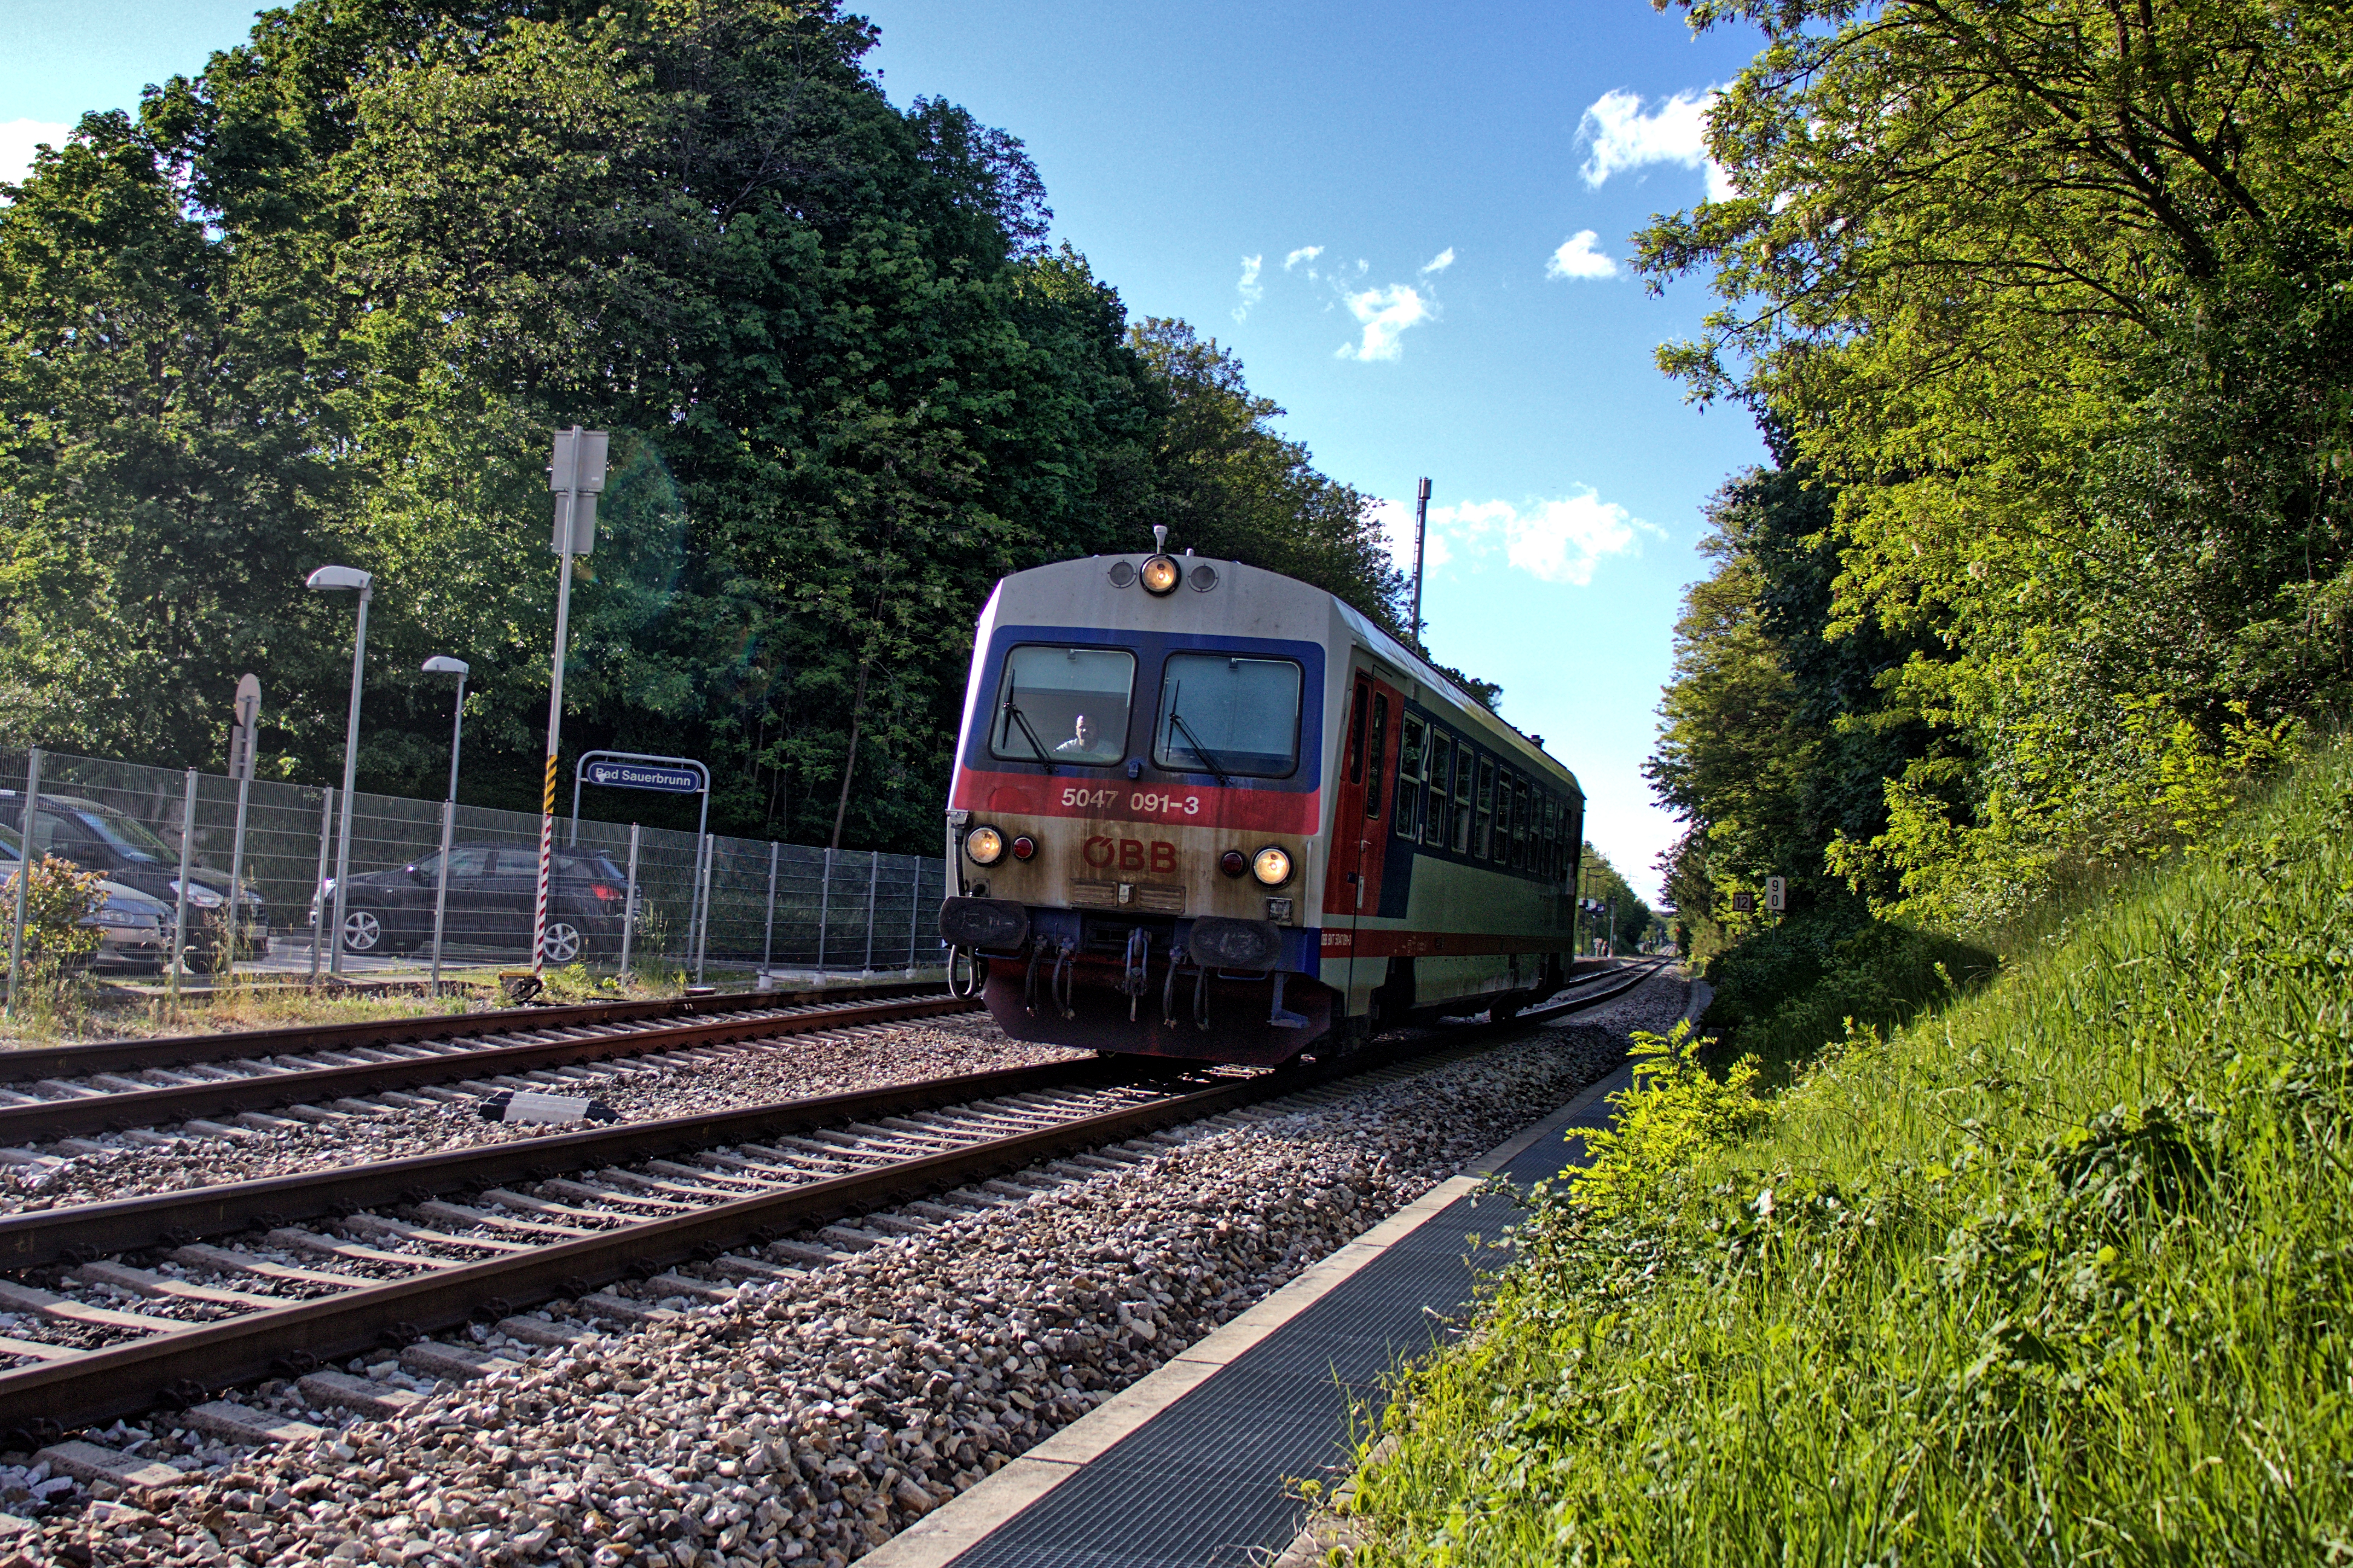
(115, 1110)
(183, 1050)
(125, 1378)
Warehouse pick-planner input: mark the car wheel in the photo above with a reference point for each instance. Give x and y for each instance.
(363, 932)
(563, 943)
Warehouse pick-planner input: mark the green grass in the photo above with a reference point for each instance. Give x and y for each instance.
(2057, 1274)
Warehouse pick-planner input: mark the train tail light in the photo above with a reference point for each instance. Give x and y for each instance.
(1024, 846)
(1233, 862)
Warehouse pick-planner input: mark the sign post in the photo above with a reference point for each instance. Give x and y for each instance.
(640, 770)
(576, 474)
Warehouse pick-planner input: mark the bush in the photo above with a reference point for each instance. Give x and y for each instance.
(58, 897)
(1790, 990)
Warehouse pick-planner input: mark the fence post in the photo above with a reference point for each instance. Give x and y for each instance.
(768, 937)
(629, 904)
(27, 827)
(319, 916)
(824, 907)
(702, 926)
(180, 888)
(873, 877)
(914, 911)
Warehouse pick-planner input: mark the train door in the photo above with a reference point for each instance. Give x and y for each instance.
(1358, 841)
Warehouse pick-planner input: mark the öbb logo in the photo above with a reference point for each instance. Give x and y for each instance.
(1159, 856)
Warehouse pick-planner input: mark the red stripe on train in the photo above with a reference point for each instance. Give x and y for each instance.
(1117, 800)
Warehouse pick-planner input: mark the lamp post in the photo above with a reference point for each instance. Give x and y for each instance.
(346, 577)
(442, 664)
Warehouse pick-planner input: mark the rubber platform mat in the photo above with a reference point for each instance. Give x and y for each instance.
(1205, 1483)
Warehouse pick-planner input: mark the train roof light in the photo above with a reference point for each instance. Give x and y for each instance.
(1160, 576)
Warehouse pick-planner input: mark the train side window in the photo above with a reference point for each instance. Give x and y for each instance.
(1440, 769)
(1484, 837)
(1410, 736)
(1551, 837)
(1357, 711)
(1520, 826)
(1376, 746)
(1504, 818)
(1464, 760)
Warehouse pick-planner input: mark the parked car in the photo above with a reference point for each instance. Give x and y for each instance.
(493, 889)
(123, 849)
(135, 931)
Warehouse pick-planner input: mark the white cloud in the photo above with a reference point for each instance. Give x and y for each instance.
(1249, 288)
(1558, 540)
(1305, 253)
(1619, 136)
(1395, 519)
(18, 140)
(1577, 257)
(1385, 314)
(1440, 262)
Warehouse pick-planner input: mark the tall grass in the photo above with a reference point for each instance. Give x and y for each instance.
(2057, 1275)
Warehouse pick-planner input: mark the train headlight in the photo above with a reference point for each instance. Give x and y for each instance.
(1271, 866)
(984, 845)
(1160, 576)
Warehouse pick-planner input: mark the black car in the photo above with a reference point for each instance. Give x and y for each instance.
(125, 850)
(493, 888)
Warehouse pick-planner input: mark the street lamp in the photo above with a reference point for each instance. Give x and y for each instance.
(442, 664)
(346, 577)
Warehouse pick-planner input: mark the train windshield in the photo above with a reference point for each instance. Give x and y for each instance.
(1063, 705)
(1227, 715)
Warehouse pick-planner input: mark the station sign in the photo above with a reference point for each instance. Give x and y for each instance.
(644, 775)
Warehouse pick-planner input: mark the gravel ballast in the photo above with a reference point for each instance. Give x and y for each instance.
(806, 1421)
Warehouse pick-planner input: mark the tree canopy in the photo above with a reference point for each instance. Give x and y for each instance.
(328, 298)
(2050, 305)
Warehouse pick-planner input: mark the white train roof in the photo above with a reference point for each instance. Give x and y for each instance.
(1246, 601)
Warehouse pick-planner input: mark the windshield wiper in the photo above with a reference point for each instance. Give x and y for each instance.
(1178, 721)
(1029, 735)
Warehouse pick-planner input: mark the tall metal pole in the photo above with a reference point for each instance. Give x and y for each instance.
(319, 903)
(554, 735)
(249, 721)
(350, 772)
(1420, 533)
(703, 927)
(576, 473)
(180, 888)
(27, 826)
(629, 903)
(448, 811)
(768, 936)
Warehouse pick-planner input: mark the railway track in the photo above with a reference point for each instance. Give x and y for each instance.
(318, 1073)
(397, 1251)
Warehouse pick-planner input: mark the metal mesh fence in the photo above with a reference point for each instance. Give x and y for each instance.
(647, 899)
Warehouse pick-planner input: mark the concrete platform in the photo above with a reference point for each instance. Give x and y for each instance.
(1193, 1465)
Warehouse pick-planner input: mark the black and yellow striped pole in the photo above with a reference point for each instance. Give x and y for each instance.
(576, 474)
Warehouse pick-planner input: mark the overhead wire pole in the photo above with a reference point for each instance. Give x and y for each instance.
(1420, 533)
(576, 474)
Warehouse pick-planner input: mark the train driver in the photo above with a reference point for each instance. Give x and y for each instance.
(1083, 746)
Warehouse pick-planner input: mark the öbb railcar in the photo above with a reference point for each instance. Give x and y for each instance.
(1205, 811)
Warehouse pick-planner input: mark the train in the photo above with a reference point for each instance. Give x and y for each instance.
(1200, 810)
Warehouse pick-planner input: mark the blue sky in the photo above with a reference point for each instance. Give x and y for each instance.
(1410, 223)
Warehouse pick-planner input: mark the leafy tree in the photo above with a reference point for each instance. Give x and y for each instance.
(348, 278)
(2054, 296)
